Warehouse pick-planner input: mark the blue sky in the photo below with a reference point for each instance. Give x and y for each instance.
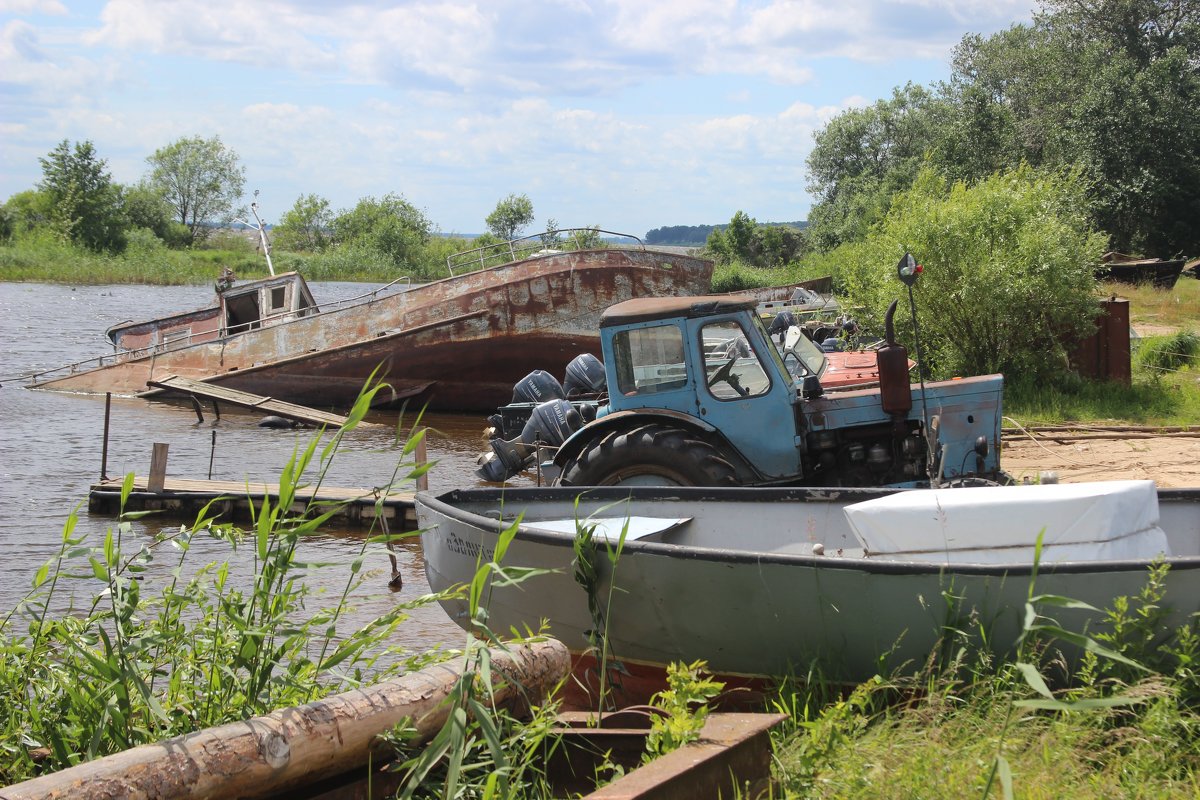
(627, 114)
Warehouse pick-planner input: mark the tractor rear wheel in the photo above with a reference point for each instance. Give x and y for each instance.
(649, 455)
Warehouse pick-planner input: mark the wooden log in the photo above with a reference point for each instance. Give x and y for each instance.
(294, 747)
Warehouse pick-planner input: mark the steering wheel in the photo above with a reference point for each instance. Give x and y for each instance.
(725, 373)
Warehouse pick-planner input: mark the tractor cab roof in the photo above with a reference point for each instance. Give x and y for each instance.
(647, 309)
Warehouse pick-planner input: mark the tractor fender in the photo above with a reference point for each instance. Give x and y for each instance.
(631, 419)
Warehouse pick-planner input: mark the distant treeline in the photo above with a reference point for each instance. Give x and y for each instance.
(698, 234)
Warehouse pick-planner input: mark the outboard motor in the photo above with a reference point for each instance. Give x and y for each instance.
(895, 389)
(550, 424)
(783, 320)
(538, 386)
(584, 375)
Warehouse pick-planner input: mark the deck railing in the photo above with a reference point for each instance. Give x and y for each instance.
(184, 340)
(552, 242)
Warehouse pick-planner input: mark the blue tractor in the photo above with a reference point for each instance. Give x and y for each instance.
(700, 394)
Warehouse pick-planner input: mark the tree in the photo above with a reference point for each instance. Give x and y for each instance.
(862, 157)
(391, 227)
(83, 201)
(202, 179)
(145, 207)
(511, 215)
(307, 226)
(1109, 86)
(29, 210)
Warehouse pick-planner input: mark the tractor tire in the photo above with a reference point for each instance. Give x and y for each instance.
(649, 455)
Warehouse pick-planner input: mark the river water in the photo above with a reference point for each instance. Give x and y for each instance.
(51, 443)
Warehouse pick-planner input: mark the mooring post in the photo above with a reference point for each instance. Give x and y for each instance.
(158, 467)
(422, 457)
(212, 451)
(104, 446)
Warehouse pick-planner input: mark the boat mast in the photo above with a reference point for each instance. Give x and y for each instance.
(262, 232)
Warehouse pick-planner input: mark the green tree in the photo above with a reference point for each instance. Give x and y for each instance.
(510, 216)
(146, 207)
(85, 205)
(391, 227)
(307, 226)
(734, 241)
(864, 156)
(202, 179)
(29, 210)
(1007, 275)
(1108, 86)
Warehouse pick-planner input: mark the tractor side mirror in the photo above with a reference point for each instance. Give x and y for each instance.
(908, 269)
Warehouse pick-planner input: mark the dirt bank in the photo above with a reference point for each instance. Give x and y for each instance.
(1169, 461)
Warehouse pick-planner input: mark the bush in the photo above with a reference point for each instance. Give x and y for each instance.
(1007, 271)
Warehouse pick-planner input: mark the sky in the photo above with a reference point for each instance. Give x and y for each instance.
(624, 114)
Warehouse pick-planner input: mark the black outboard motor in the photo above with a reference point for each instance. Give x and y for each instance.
(538, 386)
(783, 320)
(550, 424)
(584, 375)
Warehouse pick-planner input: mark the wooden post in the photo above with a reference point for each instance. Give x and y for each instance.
(422, 457)
(212, 452)
(294, 748)
(158, 467)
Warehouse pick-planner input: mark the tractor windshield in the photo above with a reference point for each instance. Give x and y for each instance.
(802, 356)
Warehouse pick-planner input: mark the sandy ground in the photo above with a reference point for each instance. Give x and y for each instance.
(1170, 461)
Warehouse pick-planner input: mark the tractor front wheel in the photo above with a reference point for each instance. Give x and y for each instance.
(649, 455)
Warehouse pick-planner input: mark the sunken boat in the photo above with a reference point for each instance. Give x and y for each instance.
(459, 343)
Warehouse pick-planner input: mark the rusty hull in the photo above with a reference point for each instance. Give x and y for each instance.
(461, 343)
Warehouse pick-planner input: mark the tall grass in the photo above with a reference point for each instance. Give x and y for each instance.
(99, 657)
(1122, 724)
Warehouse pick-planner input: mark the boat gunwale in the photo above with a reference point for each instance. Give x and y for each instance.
(438, 503)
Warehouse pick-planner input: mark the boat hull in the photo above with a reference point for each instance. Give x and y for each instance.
(764, 604)
(459, 343)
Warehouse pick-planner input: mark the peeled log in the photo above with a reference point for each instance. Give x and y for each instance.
(294, 746)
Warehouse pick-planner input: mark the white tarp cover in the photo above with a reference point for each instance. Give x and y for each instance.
(1104, 520)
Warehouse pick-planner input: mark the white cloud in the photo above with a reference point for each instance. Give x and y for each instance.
(28, 8)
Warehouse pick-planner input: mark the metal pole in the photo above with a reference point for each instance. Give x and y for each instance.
(929, 443)
(104, 448)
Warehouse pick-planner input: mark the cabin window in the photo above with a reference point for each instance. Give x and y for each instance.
(278, 298)
(649, 360)
(731, 367)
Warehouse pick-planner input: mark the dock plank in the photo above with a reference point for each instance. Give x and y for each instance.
(254, 402)
(187, 496)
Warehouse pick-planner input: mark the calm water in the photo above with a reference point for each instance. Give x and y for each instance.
(50, 447)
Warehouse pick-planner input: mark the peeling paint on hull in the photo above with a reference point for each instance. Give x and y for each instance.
(460, 343)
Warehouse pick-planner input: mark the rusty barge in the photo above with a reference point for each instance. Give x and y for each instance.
(460, 343)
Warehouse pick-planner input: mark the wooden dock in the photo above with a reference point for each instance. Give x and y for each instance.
(232, 500)
(254, 402)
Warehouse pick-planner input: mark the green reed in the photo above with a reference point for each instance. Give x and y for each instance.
(103, 653)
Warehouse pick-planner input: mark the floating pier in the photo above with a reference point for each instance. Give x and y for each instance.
(232, 500)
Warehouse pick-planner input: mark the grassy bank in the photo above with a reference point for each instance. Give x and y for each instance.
(46, 259)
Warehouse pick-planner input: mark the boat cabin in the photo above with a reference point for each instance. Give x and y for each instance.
(242, 307)
(261, 303)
